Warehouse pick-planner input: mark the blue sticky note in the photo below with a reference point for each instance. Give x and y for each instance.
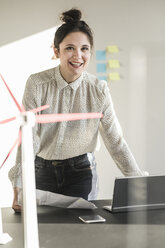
(102, 78)
(101, 55)
(101, 68)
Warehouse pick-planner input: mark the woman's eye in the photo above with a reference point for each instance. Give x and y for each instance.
(85, 49)
(69, 48)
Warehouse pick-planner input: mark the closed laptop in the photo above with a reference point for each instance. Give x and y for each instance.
(138, 193)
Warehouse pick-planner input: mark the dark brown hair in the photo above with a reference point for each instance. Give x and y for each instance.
(72, 23)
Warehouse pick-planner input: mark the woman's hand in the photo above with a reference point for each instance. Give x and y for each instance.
(15, 206)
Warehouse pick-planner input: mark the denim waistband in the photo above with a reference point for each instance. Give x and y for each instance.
(55, 162)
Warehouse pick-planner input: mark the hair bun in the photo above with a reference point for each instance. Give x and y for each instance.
(72, 15)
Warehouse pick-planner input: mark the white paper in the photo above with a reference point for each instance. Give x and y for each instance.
(58, 200)
(62, 201)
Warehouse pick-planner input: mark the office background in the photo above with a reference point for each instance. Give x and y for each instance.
(137, 28)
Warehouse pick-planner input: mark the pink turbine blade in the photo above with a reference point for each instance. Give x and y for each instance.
(8, 120)
(17, 104)
(23, 110)
(66, 117)
(35, 110)
(18, 141)
(39, 108)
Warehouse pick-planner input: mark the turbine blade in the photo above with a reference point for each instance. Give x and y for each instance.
(47, 118)
(17, 104)
(7, 120)
(18, 141)
(23, 110)
(39, 108)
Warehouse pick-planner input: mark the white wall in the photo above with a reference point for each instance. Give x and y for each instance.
(137, 27)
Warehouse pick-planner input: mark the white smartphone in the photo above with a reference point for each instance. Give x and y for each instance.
(92, 218)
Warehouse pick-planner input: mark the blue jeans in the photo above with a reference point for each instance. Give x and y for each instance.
(72, 177)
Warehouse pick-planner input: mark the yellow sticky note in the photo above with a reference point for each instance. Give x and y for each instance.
(112, 49)
(113, 63)
(114, 76)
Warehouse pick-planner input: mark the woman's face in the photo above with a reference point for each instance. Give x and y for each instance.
(74, 53)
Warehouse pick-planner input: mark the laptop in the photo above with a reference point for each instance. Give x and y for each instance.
(138, 193)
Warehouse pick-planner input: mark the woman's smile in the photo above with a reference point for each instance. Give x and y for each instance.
(76, 64)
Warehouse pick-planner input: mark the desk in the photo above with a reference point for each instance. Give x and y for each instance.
(61, 228)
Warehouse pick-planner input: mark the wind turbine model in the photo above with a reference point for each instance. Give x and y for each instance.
(26, 121)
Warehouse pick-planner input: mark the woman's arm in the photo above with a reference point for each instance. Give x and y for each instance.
(15, 205)
(114, 141)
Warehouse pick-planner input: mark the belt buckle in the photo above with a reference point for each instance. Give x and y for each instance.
(54, 163)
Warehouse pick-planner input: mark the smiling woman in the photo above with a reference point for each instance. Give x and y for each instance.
(73, 43)
(64, 152)
(74, 53)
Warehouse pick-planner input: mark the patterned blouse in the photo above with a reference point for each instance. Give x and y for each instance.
(64, 140)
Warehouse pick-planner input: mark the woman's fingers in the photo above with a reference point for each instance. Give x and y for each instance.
(16, 208)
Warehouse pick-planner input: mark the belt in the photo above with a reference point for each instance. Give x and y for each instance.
(57, 162)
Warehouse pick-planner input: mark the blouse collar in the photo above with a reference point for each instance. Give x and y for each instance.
(61, 83)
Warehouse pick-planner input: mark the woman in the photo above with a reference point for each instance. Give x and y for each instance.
(64, 159)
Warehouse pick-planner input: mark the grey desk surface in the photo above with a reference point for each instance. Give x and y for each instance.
(60, 228)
